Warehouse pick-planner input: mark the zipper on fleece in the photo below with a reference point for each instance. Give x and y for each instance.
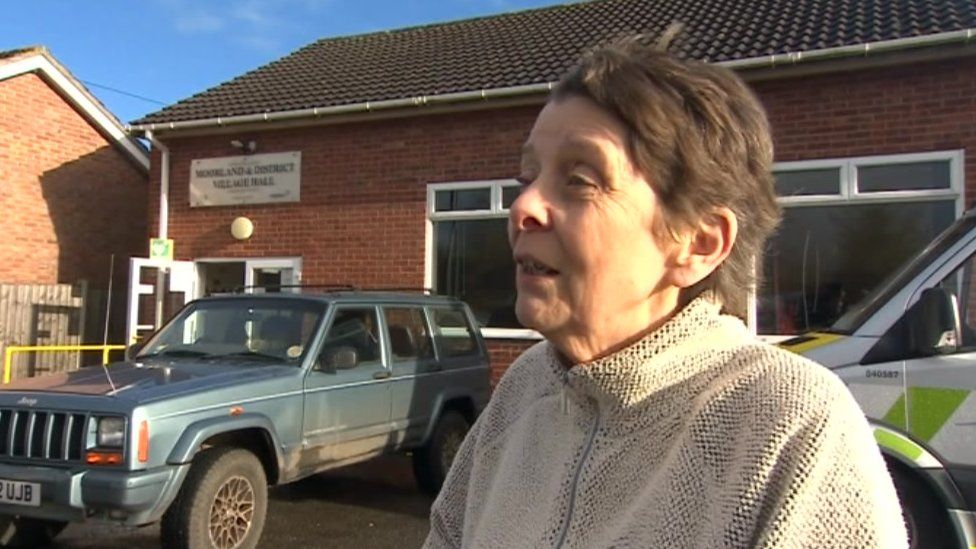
(576, 477)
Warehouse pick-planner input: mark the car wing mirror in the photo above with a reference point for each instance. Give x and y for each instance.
(339, 358)
(933, 323)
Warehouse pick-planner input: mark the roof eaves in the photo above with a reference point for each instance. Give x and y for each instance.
(43, 62)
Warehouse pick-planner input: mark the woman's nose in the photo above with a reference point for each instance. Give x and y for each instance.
(530, 211)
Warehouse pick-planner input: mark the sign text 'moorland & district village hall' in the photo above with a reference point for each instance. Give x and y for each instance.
(251, 179)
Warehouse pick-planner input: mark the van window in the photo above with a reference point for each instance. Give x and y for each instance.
(961, 284)
(452, 333)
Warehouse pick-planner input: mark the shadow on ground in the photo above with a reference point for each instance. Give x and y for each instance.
(374, 504)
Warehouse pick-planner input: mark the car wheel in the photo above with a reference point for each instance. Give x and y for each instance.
(28, 532)
(925, 517)
(222, 503)
(432, 461)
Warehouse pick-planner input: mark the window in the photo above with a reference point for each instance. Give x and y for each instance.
(960, 284)
(352, 334)
(409, 337)
(452, 333)
(847, 224)
(469, 253)
(274, 328)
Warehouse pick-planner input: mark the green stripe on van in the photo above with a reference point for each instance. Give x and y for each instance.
(896, 414)
(897, 444)
(929, 408)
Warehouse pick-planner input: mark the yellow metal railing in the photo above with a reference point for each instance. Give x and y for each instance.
(8, 355)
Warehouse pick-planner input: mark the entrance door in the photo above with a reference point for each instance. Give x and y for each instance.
(270, 275)
(178, 288)
(226, 275)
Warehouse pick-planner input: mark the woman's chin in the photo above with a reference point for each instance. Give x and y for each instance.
(533, 315)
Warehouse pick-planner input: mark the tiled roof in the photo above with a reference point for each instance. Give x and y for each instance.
(536, 46)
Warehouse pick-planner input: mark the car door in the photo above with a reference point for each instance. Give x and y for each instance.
(347, 391)
(413, 365)
(940, 404)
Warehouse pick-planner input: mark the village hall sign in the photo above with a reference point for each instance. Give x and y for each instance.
(250, 179)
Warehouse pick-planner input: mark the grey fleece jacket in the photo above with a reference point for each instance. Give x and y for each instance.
(697, 435)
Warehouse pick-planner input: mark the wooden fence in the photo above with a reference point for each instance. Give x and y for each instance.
(36, 314)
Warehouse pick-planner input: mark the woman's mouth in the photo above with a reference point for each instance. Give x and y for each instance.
(531, 266)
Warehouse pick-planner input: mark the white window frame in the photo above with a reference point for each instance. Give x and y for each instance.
(495, 211)
(848, 193)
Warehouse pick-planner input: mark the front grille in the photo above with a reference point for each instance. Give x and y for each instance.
(42, 434)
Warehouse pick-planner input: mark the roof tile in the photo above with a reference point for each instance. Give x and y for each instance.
(536, 46)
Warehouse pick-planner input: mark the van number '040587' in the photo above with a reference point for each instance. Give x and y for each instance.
(882, 373)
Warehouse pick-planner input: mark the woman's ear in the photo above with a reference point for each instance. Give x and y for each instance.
(704, 247)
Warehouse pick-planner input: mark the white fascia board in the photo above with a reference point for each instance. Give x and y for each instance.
(80, 99)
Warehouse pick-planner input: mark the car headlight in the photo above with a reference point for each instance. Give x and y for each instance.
(111, 432)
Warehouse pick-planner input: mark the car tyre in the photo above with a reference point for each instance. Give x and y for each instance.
(432, 461)
(222, 503)
(16, 531)
(924, 515)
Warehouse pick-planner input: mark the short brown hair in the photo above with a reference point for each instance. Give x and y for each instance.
(701, 138)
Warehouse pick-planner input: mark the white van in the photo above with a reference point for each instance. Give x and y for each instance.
(908, 354)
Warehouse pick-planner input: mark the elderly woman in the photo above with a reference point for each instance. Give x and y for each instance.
(650, 416)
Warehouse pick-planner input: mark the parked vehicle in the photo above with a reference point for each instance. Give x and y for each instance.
(908, 354)
(236, 393)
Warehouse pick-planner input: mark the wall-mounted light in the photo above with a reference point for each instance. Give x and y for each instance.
(241, 228)
(247, 147)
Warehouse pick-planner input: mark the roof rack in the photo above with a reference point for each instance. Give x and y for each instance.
(425, 291)
(327, 287)
(337, 288)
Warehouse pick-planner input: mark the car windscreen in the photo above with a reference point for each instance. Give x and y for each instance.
(263, 330)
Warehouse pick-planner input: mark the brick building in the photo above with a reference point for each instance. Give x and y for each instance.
(407, 142)
(72, 182)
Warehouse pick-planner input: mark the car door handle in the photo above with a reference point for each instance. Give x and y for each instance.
(381, 375)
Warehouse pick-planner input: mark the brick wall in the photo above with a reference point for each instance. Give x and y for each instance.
(68, 197)
(362, 215)
(918, 108)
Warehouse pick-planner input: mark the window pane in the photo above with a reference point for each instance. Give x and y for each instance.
(474, 264)
(353, 329)
(904, 177)
(463, 199)
(808, 182)
(409, 339)
(509, 194)
(452, 333)
(826, 258)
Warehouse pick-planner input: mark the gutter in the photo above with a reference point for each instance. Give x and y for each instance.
(162, 230)
(368, 106)
(962, 37)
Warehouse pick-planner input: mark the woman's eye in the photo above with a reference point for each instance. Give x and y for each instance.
(580, 181)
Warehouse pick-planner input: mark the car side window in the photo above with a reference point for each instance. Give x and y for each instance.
(409, 336)
(352, 340)
(452, 333)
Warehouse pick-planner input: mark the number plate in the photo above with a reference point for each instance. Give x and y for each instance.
(15, 492)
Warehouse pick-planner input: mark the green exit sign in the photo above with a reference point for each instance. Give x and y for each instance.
(161, 248)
